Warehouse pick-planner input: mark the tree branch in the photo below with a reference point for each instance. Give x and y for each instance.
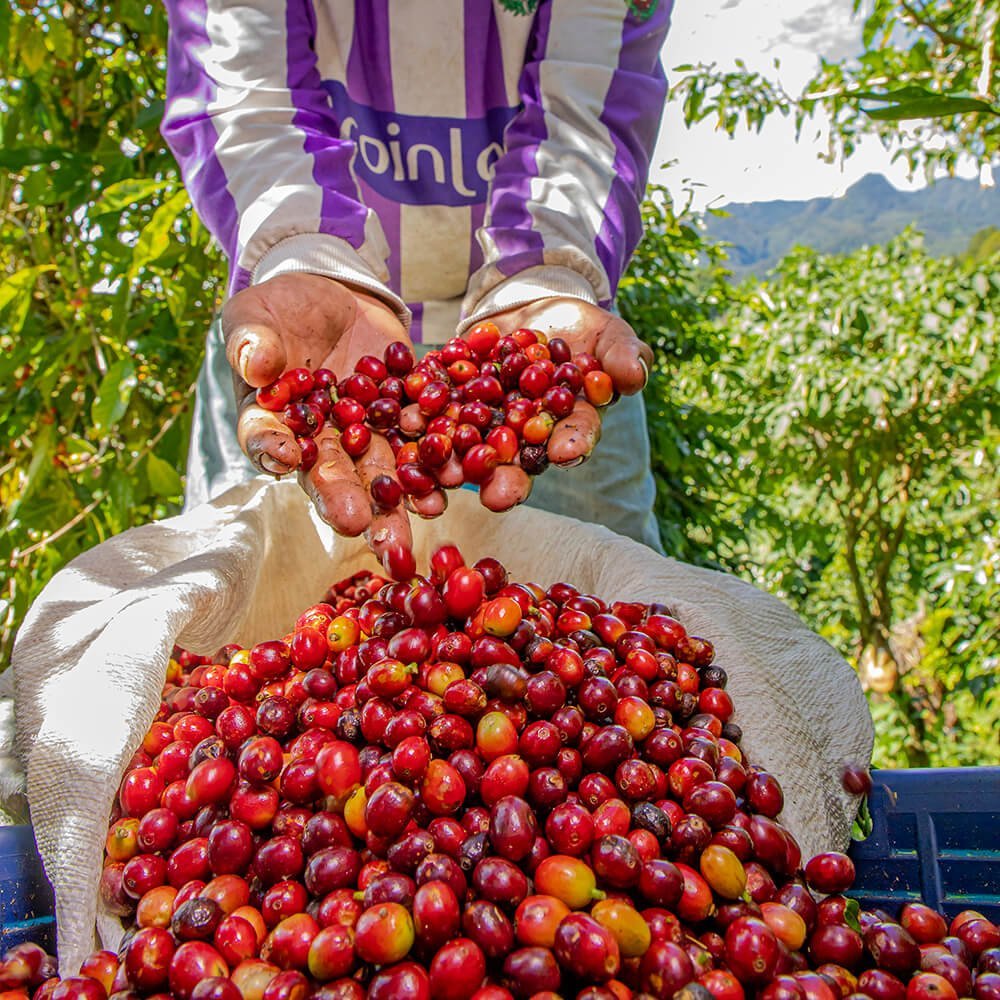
(920, 19)
(852, 537)
(60, 531)
(890, 540)
(866, 625)
(989, 36)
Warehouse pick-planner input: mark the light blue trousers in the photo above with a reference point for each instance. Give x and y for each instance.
(614, 487)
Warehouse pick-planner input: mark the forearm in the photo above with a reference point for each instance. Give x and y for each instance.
(252, 130)
(564, 213)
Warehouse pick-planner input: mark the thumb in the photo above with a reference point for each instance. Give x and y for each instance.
(254, 348)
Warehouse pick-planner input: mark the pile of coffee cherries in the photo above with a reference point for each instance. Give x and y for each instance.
(458, 787)
(453, 417)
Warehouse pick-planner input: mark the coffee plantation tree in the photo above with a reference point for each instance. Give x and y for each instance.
(860, 399)
(107, 285)
(913, 600)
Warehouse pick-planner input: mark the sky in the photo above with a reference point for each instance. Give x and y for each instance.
(769, 165)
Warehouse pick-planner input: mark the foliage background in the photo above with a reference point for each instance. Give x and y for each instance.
(883, 538)
(832, 434)
(109, 285)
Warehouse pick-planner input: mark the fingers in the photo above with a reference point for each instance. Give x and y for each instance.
(450, 475)
(507, 487)
(623, 356)
(387, 528)
(574, 437)
(432, 505)
(265, 440)
(411, 421)
(335, 488)
(587, 327)
(293, 320)
(254, 348)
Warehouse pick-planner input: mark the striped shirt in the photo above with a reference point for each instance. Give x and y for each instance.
(450, 156)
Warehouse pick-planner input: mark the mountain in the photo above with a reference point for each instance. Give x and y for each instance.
(947, 212)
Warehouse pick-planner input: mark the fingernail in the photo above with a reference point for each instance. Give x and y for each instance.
(243, 359)
(645, 370)
(272, 465)
(572, 463)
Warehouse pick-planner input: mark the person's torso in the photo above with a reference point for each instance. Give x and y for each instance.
(425, 89)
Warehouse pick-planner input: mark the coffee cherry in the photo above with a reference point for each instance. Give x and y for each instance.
(665, 969)
(398, 358)
(587, 948)
(399, 562)
(355, 439)
(274, 397)
(892, 948)
(303, 419)
(457, 970)
(751, 949)
(830, 872)
(386, 492)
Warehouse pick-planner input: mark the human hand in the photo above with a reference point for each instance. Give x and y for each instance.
(309, 321)
(587, 329)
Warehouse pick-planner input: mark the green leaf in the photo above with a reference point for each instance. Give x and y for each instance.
(150, 115)
(41, 457)
(863, 825)
(780, 427)
(177, 302)
(85, 68)
(113, 395)
(31, 48)
(119, 196)
(4, 28)
(908, 93)
(155, 237)
(851, 912)
(19, 157)
(164, 480)
(931, 107)
(56, 183)
(17, 292)
(918, 102)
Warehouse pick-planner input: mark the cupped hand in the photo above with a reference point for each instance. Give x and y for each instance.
(309, 321)
(587, 329)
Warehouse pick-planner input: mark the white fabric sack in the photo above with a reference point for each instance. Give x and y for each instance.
(90, 659)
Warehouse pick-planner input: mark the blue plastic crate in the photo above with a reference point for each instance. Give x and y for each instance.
(27, 904)
(935, 838)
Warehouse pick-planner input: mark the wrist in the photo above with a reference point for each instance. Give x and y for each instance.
(532, 285)
(329, 257)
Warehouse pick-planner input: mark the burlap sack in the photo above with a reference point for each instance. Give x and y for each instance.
(89, 661)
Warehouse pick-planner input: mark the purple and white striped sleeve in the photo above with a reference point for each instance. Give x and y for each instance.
(564, 206)
(254, 134)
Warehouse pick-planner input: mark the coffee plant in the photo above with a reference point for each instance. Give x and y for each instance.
(846, 458)
(108, 285)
